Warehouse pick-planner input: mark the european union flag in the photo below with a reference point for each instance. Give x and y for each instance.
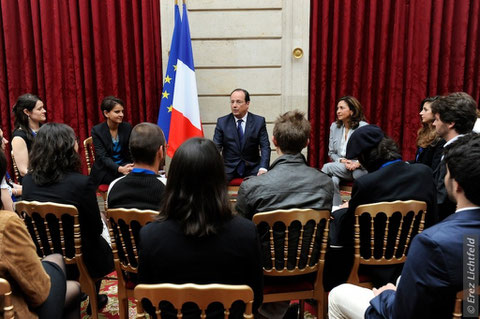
(165, 112)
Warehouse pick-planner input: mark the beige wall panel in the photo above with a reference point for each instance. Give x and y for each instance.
(237, 53)
(212, 107)
(235, 24)
(223, 81)
(233, 4)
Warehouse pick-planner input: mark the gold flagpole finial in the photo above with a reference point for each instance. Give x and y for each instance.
(176, 2)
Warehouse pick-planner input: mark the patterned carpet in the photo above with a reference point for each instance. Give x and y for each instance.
(110, 311)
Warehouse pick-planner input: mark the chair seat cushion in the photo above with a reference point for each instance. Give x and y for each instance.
(103, 188)
(299, 286)
(235, 182)
(288, 284)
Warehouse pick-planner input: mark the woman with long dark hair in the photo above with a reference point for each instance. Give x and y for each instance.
(197, 238)
(349, 118)
(429, 144)
(54, 176)
(110, 139)
(29, 113)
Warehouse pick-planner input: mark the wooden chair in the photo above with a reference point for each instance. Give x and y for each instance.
(391, 229)
(202, 295)
(458, 311)
(90, 159)
(6, 293)
(15, 169)
(297, 244)
(124, 246)
(47, 223)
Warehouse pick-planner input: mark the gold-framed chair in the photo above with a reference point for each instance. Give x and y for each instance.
(6, 294)
(202, 295)
(297, 243)
(124, 227)
(46, 223)
(15, 169)
(388, 236)
(458, 311)
(89, 151)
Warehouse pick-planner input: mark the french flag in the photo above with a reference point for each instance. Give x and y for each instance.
(185, 121)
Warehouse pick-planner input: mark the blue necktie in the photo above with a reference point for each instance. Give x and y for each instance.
(240, 131)
(241, 165)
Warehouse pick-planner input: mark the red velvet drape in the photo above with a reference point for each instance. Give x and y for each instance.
(390, 55)
(73, 53)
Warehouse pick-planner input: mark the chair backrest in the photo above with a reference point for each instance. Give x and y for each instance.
(53, 227)
(15, 168)
(387, 230)
(89, 152)
(202, 295)
(124, 227)
(6, 293)
(458, 311)
(297, 240)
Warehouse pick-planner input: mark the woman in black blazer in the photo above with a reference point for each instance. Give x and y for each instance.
(197, 238)
(429, 144)
(110, 139)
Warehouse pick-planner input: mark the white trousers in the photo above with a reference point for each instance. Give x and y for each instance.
(348, 301)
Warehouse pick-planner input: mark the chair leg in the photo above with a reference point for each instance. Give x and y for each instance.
(322, 306)
(301, 307)
(88, 286)
(123, 307)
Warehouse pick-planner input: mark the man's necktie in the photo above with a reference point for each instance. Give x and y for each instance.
(241, 165)
(240, 131)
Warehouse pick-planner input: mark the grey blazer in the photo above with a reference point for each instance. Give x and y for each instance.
(335, 140)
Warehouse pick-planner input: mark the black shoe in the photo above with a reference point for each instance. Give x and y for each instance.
(293, 311)
(102, 301)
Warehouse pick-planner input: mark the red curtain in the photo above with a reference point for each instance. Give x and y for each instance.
(390, 55)
(72, 53)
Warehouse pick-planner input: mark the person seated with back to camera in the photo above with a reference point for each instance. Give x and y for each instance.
(388, 179)
(110, 140)
(289, 183)
(142, 188)
(197, 238)
(433, 272)
(54, 176)
(39, 288)
(349, 118)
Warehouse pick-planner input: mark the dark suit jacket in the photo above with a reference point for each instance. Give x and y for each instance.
(445, 205)
(430, 155)
(433, 272)
(104, 169)
(255, 137)
(76, 189)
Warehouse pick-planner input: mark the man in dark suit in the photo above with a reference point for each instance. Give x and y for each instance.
(388, 179)
(455, 115)
(239, 136)
(433, 272)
